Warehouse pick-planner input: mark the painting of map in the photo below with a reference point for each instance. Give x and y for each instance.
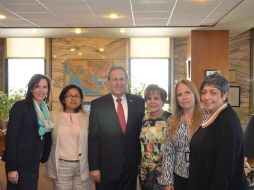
(89, 75)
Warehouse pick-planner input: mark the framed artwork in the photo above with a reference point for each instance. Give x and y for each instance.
(89, 75)
(234, 96)
(209, 72)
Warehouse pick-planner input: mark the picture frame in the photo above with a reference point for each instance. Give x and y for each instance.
(210, 71)
(234, 96)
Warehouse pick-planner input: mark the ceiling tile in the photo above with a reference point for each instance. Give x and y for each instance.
(152, 14)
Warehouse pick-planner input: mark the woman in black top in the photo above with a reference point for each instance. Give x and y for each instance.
(216, 152)
(28, 137)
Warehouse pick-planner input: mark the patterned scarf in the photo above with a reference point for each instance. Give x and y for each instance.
(42, 112)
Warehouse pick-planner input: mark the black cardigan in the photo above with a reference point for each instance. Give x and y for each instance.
(219, 163)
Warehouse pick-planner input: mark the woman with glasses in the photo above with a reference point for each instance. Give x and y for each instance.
(67, 164)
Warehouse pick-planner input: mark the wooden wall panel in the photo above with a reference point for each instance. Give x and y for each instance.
(209, 50)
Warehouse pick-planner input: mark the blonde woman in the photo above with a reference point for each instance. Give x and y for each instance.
(183, 123)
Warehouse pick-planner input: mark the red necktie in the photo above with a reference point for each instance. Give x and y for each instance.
(120, 114)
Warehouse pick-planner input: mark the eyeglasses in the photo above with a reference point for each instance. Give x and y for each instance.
(72, 96)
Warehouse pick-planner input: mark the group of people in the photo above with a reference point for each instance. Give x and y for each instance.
(199, 146)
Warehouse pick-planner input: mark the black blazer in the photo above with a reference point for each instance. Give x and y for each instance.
(23, 147)
(108, 147)
(217, 161)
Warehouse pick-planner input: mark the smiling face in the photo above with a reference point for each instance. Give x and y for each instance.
(40, 91)
(117, 82)
(185, 97)
(154, 102)
(212, 98)
(72, 100)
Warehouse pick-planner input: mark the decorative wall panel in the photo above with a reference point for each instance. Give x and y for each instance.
(85, 61)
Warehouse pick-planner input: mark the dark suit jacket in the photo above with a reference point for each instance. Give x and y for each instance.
(108, 147)
(217, 161)
(23, 147)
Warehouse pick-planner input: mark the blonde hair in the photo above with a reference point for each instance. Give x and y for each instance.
(175, 119)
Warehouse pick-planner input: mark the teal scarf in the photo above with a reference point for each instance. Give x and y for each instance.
(42, 112)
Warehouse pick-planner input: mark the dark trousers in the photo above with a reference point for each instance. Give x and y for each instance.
(123, 182)
(28, 179)
(180, 183)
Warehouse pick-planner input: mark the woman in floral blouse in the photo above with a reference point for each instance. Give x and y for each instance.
(153, 133)
(185, 120)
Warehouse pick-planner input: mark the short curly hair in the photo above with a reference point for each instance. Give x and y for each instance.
(155, 88)
(216, 80)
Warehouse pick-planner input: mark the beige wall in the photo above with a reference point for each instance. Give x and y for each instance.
(240, 63)
(180, 57)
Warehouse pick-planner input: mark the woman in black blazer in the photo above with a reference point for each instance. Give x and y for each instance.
(27, 136)
(216, 149)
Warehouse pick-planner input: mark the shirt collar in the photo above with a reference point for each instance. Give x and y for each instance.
(123, 97)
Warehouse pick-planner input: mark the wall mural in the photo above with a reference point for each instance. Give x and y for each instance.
(89, 75)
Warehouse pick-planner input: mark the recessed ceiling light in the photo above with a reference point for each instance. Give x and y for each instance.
(2, 16)
(79, 53)
(33, 30)
(72, 49)
(122, 30)
(78, 30)
(114, 16)
(101, 49)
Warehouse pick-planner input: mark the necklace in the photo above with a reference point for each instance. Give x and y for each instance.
(71, 119)
(156, 115)
(188, 121)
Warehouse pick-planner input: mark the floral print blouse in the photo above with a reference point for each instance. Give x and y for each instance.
(152, 138)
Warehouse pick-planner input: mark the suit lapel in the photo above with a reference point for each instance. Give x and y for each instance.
(34, 116)
(131, 110)
(111, 108)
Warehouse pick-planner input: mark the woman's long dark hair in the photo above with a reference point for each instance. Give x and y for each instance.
(33, 83)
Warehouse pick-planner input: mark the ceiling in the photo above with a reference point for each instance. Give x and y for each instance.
(137, 18)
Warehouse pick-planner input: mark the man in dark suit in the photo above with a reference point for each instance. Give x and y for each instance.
(113, 145)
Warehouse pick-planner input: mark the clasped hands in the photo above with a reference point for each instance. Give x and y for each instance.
(13, 177)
